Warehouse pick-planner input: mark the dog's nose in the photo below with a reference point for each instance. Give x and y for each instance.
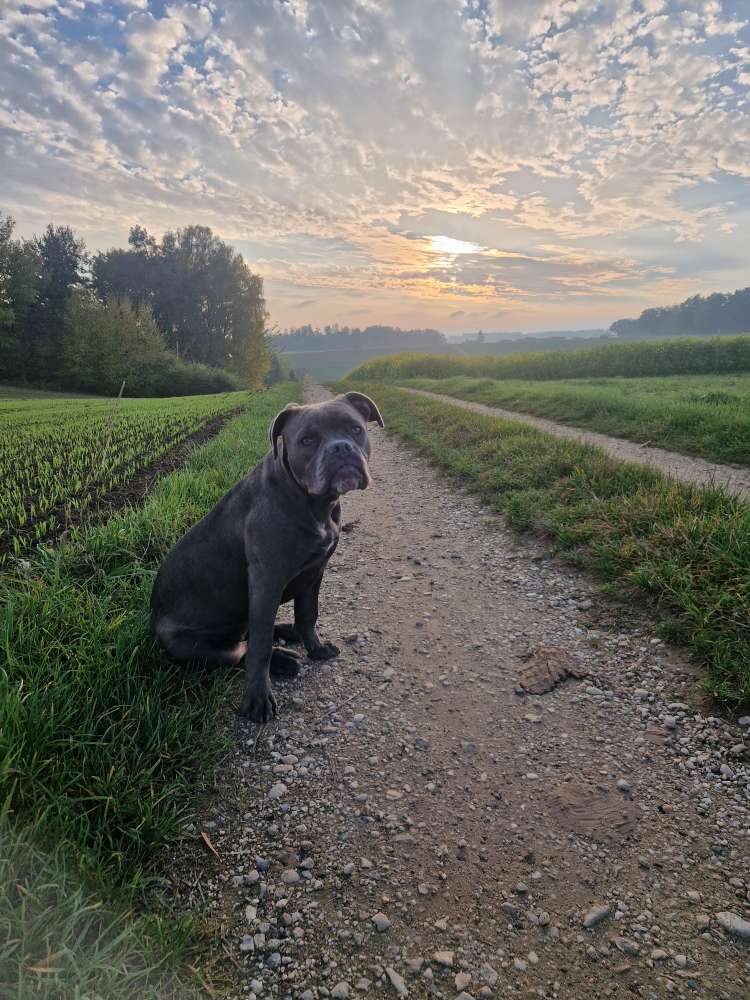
(340, 447)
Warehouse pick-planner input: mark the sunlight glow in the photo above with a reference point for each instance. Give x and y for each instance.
(446, 245)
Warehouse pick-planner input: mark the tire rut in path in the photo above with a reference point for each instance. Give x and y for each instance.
(412, 779)
(686, 468)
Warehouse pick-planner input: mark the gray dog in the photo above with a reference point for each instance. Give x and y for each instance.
(217, 592)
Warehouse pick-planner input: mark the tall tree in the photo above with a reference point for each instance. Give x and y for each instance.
(20, 286)
(62, 268)
(722, 312)
(204, 298)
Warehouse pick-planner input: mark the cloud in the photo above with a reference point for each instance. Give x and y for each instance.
(543, 134)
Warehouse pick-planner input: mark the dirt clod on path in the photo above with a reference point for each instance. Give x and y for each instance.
(415, 825)
(545, 667)
(686, 468)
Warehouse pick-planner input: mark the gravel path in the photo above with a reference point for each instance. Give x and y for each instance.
(416, 823)
(732, 479)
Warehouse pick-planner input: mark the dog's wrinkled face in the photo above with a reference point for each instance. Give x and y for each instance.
(325, 445)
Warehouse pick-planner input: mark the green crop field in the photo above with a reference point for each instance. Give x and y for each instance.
(101, 740)
(58, 456)
(705, 415)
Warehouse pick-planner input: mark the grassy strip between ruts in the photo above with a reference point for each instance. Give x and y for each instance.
(694, 414)
(685, 550)
(99, 738)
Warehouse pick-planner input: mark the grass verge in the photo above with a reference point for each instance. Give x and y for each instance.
(58, 942)
(701, 415)
(99, 738)
(685, 550)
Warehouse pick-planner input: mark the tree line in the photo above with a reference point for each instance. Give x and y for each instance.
(710, 315)
(171, 317)
(309, 338)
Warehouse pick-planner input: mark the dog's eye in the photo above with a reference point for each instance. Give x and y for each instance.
(356, 429)
(307, 441)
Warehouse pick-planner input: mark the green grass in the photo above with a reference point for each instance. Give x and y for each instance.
(679, 356)
(683, 551)
(705, 415)
(57, 941)
(99, 738)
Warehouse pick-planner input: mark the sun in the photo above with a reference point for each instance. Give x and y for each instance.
(447, 245)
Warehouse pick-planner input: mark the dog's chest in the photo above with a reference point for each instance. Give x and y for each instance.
(329, 537)
(322, 546)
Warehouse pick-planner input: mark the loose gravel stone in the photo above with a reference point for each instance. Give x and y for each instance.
(734, 924)
(595, 916)
(444, 958)
(626, 946)
(381, 921)
(397, 982)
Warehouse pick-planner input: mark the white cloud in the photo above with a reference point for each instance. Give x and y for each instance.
(541, 122)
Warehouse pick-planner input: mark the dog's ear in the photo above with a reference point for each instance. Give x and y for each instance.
(364, 405)
(278, 425)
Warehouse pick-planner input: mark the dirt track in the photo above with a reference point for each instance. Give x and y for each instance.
(732, 479)
(415, 824)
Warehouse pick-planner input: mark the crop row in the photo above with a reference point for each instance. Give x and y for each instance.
(58, 457)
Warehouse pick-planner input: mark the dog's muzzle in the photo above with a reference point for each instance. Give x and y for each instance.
(349, 468)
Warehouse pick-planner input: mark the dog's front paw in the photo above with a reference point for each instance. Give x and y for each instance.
(258, 704)
(323, 651)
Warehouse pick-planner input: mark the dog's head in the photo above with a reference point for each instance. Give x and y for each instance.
(325, 446)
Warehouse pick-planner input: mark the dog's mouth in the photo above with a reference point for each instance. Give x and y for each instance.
(348, 478)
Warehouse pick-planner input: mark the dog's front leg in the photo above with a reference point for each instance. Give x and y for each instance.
(258, 701)
(305, 619)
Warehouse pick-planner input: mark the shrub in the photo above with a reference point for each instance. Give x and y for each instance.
(108, 343)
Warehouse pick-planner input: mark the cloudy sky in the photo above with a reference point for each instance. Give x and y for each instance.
(495, 164)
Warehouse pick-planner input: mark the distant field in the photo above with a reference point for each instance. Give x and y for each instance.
(327, 366)
(706, 415)
(684, 356)
(58, 455)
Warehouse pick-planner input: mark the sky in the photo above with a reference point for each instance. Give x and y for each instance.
(491, 164)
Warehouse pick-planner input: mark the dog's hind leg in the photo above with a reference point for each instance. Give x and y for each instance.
(286, 633)
(185, 645)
